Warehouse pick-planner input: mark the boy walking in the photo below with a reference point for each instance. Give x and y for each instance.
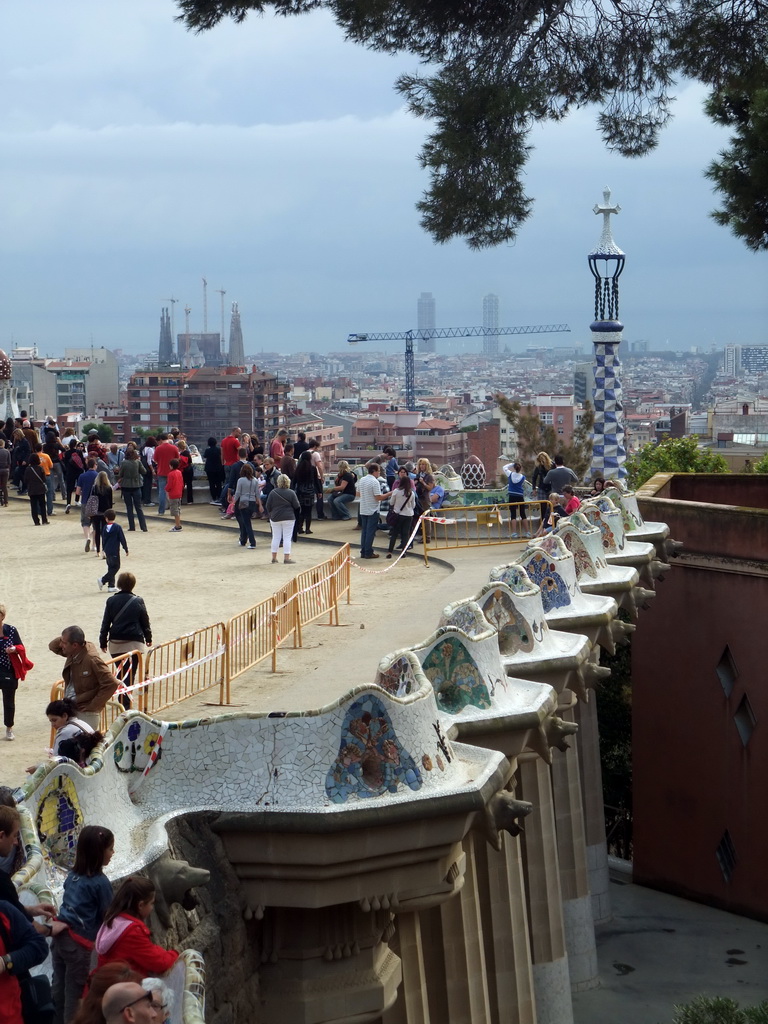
(174, 489)
(112, 536)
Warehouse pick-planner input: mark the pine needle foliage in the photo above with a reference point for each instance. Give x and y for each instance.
(494, 69)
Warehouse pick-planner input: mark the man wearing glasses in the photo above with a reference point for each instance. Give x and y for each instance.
(128, 1003)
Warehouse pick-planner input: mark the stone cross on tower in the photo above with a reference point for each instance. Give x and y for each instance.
(606, 245)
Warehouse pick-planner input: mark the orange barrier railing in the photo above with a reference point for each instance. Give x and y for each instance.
(215, 655)
(465, 526)
(184, 667)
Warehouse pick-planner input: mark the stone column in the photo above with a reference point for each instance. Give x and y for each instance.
(571, 848)
(594, 814)
(551, 978)
(505, 931)
(412, 1004)
(464, 969)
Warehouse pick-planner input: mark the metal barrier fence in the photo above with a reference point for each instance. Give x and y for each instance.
(215, 655)
(465, 526)
(250, 638)
(184, 667)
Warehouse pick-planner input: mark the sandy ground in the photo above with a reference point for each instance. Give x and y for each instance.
(199, 576)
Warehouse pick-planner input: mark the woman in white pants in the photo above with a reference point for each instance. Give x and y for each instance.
(281, 508)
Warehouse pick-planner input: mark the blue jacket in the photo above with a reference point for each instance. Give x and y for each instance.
(28, 948)
(85, 903)
(112, 538)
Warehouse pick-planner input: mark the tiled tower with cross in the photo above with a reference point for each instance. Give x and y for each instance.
(606, 261)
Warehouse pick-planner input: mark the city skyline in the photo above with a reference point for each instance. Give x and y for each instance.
(275, 159)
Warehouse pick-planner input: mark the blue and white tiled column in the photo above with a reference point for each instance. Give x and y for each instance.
(609, 454)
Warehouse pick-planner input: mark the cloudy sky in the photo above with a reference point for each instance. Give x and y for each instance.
(275, 159)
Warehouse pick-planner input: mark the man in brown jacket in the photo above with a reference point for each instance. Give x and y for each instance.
(87, 679)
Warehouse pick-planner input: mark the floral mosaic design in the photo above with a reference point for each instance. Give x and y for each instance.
(455, 677)
(398, 678)
(593, 517)
(516, 579)
(464, 617)
(554, 590)
(581, 556)
(59, 820)
(132, 753)
(514, 630)
(371, 760)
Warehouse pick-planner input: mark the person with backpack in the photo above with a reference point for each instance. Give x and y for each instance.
(516, 496)
(87, 896)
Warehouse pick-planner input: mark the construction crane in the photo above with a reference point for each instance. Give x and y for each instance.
(428, 333)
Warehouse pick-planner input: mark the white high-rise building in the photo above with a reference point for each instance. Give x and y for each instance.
(732, 360)
(491, 320)
(425, 321)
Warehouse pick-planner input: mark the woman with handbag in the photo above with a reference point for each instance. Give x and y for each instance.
(246, 503)
(401, 509)
(95, 509)
(36, 487)
(12, 657)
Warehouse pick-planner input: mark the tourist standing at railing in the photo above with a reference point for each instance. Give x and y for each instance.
(370, 495)
(214, 470)
(392, 467)
(288, 462)
(516, 497)
(401, 509)
(304, 485)
(560, 475)
(230, 447)
(276, 449)
(282, 506)
(540, 470)
(87, 679)
(317, 462)
(301, 444)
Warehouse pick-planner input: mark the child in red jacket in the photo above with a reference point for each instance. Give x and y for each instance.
(125, 936)
(174, 489)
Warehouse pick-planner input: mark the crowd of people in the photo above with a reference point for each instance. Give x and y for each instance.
(242, 475)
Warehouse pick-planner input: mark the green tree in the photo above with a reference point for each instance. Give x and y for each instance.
(673, 455)
(497, 68)
(105, 432)
(761, 466)
(534, 436)
(741, 172)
